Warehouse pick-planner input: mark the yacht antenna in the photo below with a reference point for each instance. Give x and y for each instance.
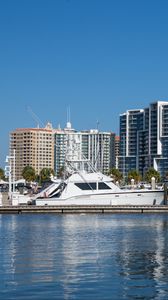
(98, 123)
(35, 117)
(68, 114)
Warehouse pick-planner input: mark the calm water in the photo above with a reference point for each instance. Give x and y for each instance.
(84, 257)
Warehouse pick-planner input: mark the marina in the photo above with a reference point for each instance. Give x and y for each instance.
(82, 183)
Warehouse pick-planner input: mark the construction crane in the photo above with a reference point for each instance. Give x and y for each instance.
(35, 117)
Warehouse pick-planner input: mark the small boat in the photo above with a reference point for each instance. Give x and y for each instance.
(20, 199)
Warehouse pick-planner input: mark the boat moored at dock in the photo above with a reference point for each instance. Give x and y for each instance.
(83, 188)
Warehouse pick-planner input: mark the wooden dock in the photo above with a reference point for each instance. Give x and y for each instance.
(31, 209)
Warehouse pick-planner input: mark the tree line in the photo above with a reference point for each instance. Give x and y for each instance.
(134, 174)
(29, 175)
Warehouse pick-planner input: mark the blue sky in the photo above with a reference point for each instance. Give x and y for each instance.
(100, 57)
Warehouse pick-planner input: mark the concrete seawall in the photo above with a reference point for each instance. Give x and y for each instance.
(82, 209)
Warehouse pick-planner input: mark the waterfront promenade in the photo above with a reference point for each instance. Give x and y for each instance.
(32, 209)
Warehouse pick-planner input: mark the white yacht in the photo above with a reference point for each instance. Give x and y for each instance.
(89, 188)
(83, 188)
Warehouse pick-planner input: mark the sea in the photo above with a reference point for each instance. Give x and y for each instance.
(84, 256)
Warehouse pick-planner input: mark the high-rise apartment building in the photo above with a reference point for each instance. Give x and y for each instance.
(144, 139)
(33, 147)
(130, 123)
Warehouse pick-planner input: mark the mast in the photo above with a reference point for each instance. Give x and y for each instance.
(75, 161)
(10, 170)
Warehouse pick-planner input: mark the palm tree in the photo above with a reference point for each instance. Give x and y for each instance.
(152, 173)
(115, 174)
(134, 174)
(2, 174)
(28, 173)
(45, 174)
(61, 172)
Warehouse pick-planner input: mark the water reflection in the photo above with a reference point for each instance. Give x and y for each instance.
(143, 259)
(84, 256)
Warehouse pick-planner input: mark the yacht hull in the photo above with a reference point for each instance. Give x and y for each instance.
(121, 198)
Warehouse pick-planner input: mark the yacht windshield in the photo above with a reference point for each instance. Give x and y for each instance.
(92, 186)
(86, 185)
